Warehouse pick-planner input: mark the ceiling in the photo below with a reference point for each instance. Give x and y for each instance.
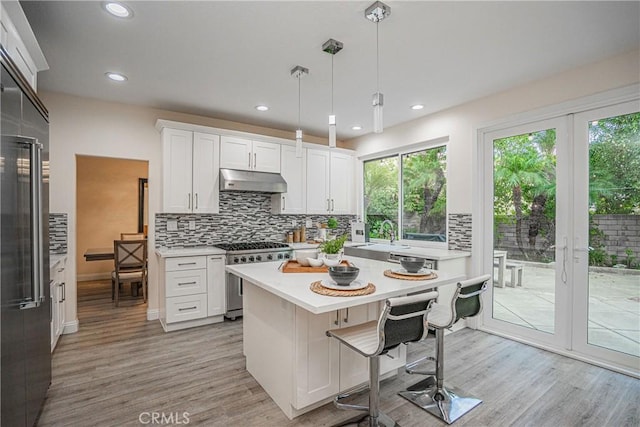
(221, 59)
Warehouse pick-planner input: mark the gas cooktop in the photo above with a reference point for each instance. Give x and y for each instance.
(251, 246)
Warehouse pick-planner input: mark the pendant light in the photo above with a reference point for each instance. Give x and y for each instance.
(298, 71)
(332, 46)
(376, 13)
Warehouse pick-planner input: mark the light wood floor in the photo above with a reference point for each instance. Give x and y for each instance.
(119, 365)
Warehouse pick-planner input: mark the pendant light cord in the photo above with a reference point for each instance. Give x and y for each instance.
(377, 59)
(332, 55)
(299, 101)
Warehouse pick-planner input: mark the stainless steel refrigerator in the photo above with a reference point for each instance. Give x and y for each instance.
(25, 370)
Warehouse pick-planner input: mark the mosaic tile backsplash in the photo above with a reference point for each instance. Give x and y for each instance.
(58, 233)
(460, 232)
(247, 217)
(243, 216)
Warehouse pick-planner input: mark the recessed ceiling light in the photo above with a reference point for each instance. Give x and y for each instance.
(117, 9)
(417, 107)
(116, 77)
(356, 127)
(262, 107)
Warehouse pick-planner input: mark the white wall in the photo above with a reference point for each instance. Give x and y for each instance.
(461, 122)
(81, 126)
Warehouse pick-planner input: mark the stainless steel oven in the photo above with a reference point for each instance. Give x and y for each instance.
(246, 253)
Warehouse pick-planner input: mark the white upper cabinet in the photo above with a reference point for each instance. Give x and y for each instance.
(294, 172)
(245, 154)
(341, 184)
(318, 169)
(190, 172)
(18, 40)
(206, 173)
(330, 185)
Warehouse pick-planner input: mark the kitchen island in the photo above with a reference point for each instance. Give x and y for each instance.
(286, 348)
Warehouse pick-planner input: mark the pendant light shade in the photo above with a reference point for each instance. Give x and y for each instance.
(376, 13)
(332, 46)
(298, 71)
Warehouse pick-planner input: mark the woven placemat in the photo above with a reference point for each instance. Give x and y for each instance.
(319, 289)
(429, 276)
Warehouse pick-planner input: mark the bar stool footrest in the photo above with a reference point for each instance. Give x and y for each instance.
(448, 403)
(412, 367)
(362, 420)
(340, 398)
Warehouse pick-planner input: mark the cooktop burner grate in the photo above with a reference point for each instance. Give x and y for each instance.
(249, 246)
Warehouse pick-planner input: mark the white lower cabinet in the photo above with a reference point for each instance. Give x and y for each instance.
(216, 291)
(289, 354)
(324, 366)
(190, 291)
(58, 294)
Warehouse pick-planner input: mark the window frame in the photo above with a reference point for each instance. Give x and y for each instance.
(399, 152)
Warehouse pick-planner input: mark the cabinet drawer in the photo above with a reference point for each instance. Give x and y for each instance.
(189, 307)
(186, 263)
(187, 282)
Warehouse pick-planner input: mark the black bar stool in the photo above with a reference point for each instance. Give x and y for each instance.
(447, 403)
(403, 320)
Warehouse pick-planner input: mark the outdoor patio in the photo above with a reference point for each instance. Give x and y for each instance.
(614, 305)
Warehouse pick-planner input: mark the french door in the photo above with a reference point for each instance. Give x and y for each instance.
(606, 314)
(560, 228)
(526, 226)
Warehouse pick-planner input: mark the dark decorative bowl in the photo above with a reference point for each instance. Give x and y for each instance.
(411, 264)
(343, 274)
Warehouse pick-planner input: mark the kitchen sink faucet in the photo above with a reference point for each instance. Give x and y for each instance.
(392, 235)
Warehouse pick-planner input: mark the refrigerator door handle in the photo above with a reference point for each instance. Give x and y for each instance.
(35, 174)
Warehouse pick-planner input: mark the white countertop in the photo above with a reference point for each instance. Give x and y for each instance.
(195, 251)
(431, 253)
(294, 287)
(54, 259)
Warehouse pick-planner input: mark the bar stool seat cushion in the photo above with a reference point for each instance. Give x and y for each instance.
(362, 338)
(440, 316)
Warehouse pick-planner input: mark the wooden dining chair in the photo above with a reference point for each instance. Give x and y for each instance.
(130, 261)
(132, 236)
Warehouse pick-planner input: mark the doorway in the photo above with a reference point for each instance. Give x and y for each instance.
(561, 236)
(108, 198)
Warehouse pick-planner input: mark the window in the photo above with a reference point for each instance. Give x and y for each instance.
(409, 190)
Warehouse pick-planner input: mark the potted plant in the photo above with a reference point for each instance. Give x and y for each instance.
(331, 248)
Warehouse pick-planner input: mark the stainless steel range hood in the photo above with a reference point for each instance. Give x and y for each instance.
(264, 182)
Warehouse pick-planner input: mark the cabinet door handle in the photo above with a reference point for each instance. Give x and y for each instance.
(255, 161)
(187, 283)
(283, 204)
(61, 300)
(187, 308)
(346, 317)
(333, 206)
(249, 160)
(328, 205)
(64, 291)
(337, 321)
(196, 196)
(186, 263)
(189, 204)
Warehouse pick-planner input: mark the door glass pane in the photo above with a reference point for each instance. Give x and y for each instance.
(614, 233)
(524, 229)
(424, 195)
(381, 195)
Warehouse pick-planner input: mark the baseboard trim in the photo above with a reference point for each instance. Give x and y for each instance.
(71, 327)
(92, 276)
(153, 314)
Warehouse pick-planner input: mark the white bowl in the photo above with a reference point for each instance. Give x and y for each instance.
(331, 262)
(314, 262)
(303, 254)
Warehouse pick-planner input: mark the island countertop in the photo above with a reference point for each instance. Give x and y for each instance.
(294, 287)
